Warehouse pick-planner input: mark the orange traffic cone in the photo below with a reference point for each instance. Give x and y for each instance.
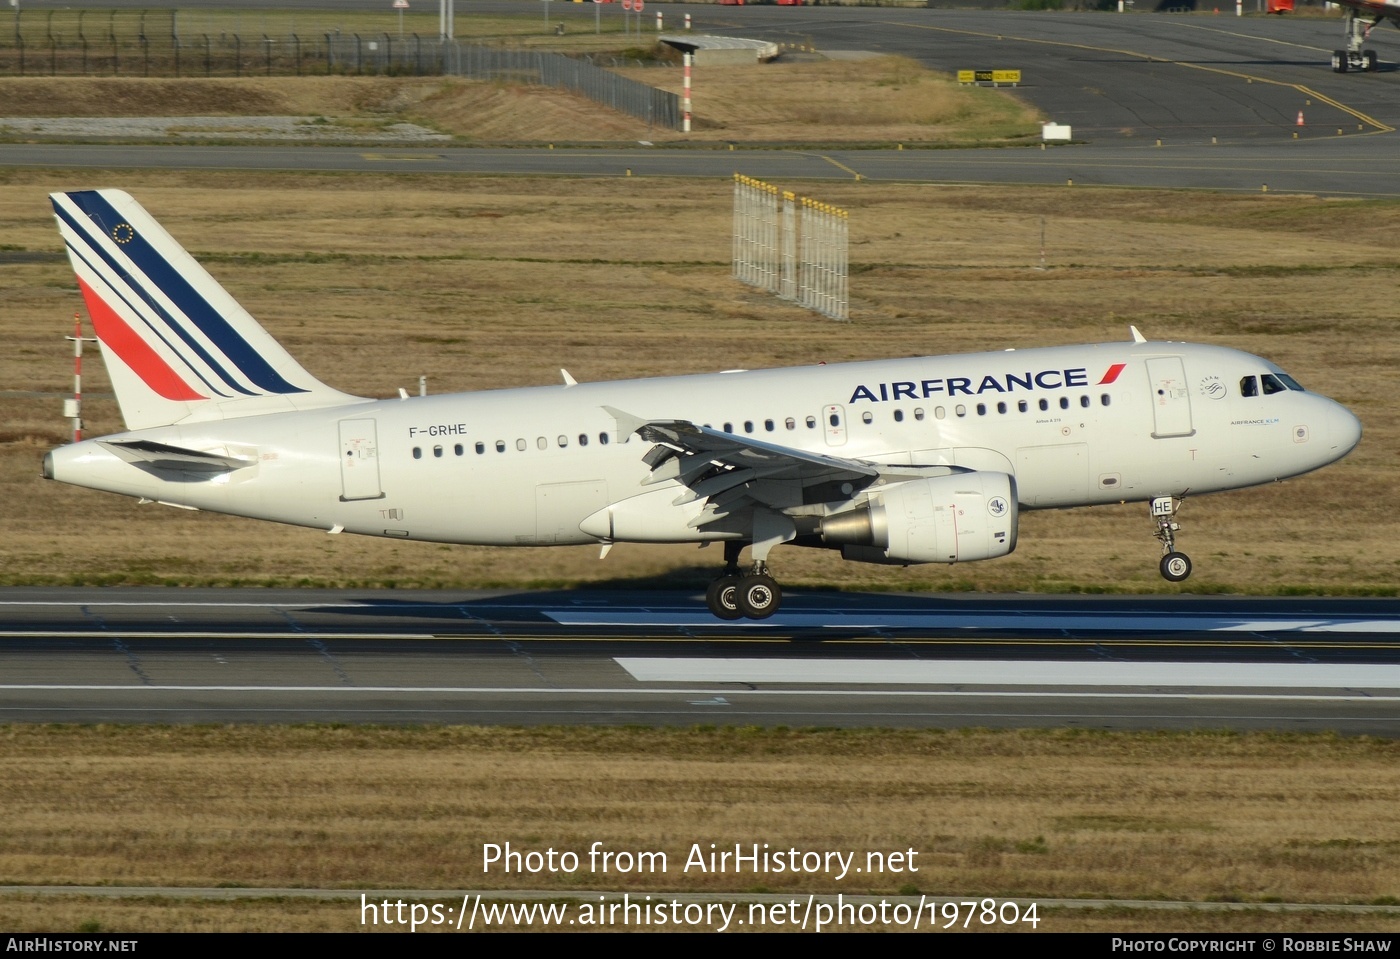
(1300, 118)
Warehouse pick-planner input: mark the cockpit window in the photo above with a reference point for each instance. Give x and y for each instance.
(1290, 382)
(1272, 385)
(1249, 386)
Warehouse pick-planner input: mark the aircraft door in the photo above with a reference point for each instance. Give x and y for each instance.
(834, 422)
(359, 461)
(1171, 400)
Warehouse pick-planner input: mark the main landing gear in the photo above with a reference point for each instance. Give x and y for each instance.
(1175, 566)
(739, 595)
(1356, 32)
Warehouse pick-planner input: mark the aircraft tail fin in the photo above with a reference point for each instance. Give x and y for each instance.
(176, 345)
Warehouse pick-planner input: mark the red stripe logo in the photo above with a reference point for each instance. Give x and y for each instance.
(135, 352)
(1112, 373)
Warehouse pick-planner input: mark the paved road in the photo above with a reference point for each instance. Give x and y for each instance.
(605, 657)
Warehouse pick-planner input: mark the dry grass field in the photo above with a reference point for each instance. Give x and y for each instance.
(879, 100)
(1196, 817)
(491, 283)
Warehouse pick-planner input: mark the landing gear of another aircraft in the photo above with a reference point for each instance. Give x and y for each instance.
(1355, 31)
(1175, 566)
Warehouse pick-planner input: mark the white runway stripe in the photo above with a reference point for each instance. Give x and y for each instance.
(1011, 673)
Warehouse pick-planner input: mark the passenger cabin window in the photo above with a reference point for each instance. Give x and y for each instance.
(899, 416)
(811, 422)
(866, 418)
(790, 423)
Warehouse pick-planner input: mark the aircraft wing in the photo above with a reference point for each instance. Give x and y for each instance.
(766, 460)
(733, 473)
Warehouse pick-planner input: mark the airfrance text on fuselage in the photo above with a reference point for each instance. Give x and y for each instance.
(968, 386)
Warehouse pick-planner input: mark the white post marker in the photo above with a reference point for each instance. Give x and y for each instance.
(687, 21)
(73, 409)
(400, 6)
(597, 16)
(685, 96)
(659, 27)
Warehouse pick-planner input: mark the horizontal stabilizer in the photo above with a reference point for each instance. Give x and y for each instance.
(162, 457)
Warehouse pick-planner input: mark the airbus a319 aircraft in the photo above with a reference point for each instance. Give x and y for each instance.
(905, 461)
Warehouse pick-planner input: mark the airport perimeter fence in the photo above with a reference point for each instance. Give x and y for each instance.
(147, 44)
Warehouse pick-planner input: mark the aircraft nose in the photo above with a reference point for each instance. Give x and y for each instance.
(1346, 430)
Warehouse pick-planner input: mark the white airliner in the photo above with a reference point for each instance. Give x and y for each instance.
(920, 460)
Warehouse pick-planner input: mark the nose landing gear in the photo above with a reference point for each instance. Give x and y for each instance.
(1175, 566)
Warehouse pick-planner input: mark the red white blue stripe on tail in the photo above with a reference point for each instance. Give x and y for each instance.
(176, 344)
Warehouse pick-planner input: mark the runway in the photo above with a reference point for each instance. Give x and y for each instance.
(153, 656)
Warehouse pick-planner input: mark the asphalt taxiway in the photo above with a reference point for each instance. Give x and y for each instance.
(105, 655)
(1153, 101)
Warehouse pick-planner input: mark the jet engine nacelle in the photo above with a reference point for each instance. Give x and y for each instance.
(942, 519)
